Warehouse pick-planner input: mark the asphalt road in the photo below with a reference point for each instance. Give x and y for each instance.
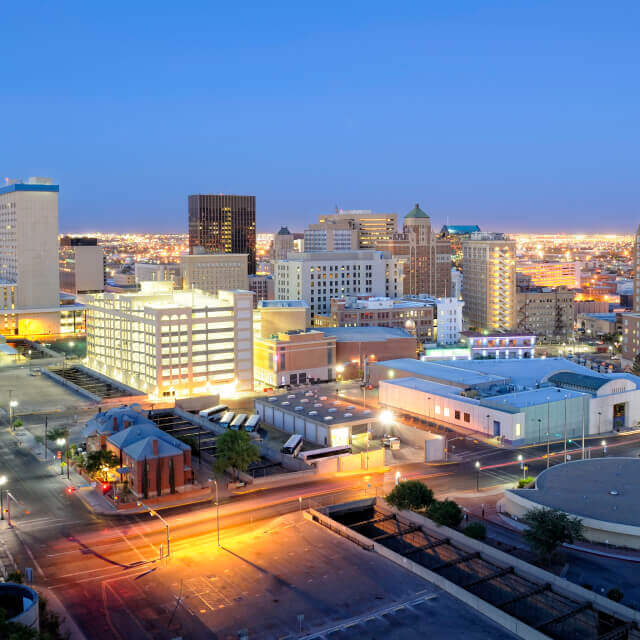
(106, 570)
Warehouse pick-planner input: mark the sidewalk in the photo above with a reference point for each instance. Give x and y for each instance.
(92, 497)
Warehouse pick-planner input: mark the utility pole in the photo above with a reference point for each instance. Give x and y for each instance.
(45, 437)
(583, 431)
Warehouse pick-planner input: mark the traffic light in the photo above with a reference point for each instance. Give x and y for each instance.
(105, 487)
(70, 490)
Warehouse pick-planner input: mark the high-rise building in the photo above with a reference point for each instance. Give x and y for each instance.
(82, 265)
(426, 259)
(631, 321)
(262, 286)
(158, 271)
(223, 224)
(212, 272)
(489, 282)
(455, 234)
(29, 277)
(319, 277)
(282, 244)
(172, 343)
(371, 227)
(546, 312)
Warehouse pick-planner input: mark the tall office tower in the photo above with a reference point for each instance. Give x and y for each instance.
(489, 282)
(223, 224)
(631, 321)
(371, 227)
(82, 268)
(546, 312)
(29, 280)
(320, 276)
(455, 235)
(426, 258)
(282, 244)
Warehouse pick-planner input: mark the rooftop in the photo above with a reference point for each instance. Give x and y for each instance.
(531, 398)
(416, 212)
(459, 229)
(313, 405)
(274, 304)
(364, 334)
(609, 317)
(583, 488)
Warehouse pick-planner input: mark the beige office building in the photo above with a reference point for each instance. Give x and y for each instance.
(82, 266)
(282, 244)
(172, 343)
(212, 272)
(548, 313)
(371, 227)
(30, 282)
(489, 281)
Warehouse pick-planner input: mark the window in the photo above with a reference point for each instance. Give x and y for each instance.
(456, 415)
(446, 412)
(467, 417)
(438, 409)
(518, 430)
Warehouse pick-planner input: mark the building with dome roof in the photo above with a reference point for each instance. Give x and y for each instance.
(426, 258)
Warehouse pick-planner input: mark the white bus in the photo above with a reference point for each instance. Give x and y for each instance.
(213, 413)
(252, 423)
(238, 421)
(316, 454)
(226, 419)
(293, 445)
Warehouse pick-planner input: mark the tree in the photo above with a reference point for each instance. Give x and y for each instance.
(411, 494)
(57, 433)
(476, 530)
(549, 528)
(97, 460)
(235, 450)
(446, 512)
(635, 367)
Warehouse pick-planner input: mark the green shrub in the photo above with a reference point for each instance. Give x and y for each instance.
(411, 494)
(475, 530)
(523, 482)
(446, 512)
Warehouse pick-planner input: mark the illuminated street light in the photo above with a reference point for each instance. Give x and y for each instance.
(152, 513)
(3, 481)
(604, 448)
(386, 417)
(477, 465)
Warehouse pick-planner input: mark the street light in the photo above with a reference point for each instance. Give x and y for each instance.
(215, 482)
(12, 405)
(61, 442)
(152, 513)
(521, 464)
(477, 476)
(3, 481)
(386, 417)
(604, 448)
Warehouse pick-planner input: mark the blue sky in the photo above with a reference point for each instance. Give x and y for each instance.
(512, 115)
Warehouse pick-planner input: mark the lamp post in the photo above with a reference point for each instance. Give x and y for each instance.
(3, 481)
(599, 416)
(604, 448)
(583, 431)
(477, 465)
(152, 513)
(12, 405)
(565, 428)
(215, 482)
(61, 442)
(339, 371)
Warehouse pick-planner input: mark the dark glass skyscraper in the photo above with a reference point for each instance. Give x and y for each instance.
(223, 224)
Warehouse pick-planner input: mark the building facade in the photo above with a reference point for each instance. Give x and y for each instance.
(426, 259)
(279, 316)
(489, 282)
(371, 227)
(318, 277)
(262, 286)
(172, 343)
(223, 224)
(455, 235)
(213, 272)
(504, 345)
(552, 274)
(546, 312)
(294, 357)
(415, 316)
(30, 296)
(158, 271)
(332, 235)
(82, 265)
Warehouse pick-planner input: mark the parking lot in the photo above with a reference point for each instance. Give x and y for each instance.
(286, 578)
(93, 384)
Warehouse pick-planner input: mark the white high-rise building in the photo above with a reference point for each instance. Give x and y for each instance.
(29, 280)
(173, 343)
(320, 276)
(449, 317)
(489, 281)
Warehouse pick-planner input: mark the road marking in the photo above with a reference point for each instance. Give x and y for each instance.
(28, 550)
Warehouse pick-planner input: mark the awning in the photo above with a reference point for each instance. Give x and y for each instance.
(122, 470)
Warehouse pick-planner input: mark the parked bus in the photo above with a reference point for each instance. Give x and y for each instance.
(317, 454)
(252, 423)
(293, 445)
(213, 413)
(238, 421)
(226, 419)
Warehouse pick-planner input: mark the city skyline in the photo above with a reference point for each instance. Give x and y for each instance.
(514, 118)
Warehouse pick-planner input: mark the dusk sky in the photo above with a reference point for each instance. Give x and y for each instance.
(517, 116)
